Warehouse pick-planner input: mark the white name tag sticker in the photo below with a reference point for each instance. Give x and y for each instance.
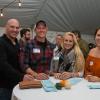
(91, 63)
(36, 50)
(56, 58)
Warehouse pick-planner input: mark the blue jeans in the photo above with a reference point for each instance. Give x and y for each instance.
(5, 94)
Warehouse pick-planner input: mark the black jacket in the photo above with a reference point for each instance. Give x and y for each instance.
(10, 73)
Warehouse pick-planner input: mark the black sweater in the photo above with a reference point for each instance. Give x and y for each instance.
(10, 73)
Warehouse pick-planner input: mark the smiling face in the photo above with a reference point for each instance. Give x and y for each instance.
(97, 38)
(41, 31)
(68, 41)
(12, 28)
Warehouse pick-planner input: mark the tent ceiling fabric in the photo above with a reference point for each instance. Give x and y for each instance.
(60, 15)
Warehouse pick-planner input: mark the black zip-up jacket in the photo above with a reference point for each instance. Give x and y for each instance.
(10, 73)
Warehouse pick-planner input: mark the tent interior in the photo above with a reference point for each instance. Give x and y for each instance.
(60, 15)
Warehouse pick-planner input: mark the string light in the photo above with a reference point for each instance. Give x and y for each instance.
(19, 3)
(1, 14)
(2, 9)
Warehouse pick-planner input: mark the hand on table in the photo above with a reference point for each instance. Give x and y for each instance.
(31, 72)
(57, 75)
(28, 77)
(63, 76)
(42, 76)
(92, 78)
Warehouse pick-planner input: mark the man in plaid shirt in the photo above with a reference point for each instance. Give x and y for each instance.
(38, 53)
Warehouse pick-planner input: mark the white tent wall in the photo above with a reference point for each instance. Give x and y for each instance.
(60, 15)
(51, 35)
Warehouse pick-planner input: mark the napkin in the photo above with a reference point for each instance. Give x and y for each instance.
(94, 86)
(74, 81)
(48, 86)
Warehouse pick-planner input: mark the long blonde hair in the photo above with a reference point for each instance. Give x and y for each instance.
(79, 58)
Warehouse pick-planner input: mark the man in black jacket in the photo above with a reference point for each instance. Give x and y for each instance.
(10, 73)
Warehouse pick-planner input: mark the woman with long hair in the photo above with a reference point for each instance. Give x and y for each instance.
(71, 61)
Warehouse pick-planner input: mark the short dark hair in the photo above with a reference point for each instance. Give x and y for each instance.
(77, 32)
(23, 31)
(41, 22)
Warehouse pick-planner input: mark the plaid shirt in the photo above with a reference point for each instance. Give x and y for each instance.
(38, 56)
(22, 45)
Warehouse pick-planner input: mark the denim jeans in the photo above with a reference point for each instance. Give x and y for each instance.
(5, 94)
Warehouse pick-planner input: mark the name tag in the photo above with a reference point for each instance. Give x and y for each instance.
(36, 50)
(91, 63)
(56, 58)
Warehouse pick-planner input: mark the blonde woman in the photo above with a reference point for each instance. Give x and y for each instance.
(71, 61)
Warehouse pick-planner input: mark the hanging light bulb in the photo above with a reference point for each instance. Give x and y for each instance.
(19, 3)
(9, 4)
(1, 14)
